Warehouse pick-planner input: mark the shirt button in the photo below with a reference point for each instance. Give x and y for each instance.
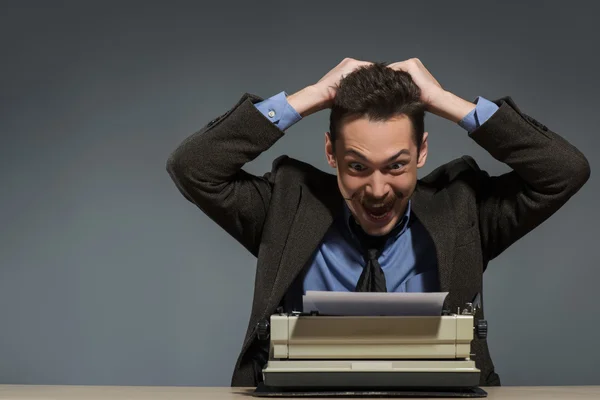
(271, 113)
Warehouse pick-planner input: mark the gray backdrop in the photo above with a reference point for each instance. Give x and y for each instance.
(108, 276)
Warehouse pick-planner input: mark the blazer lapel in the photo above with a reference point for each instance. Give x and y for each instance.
(431, 208)
(318, 207)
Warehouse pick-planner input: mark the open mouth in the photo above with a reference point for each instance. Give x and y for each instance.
(379, 212)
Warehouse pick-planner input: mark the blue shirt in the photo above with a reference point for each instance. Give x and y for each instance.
(408, 259)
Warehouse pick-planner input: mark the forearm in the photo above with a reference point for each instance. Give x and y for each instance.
(450, 106)
(215, 153)
(307, 101)
(219, 150)
(545, 161)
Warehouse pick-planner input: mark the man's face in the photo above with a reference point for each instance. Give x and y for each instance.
(376, 166)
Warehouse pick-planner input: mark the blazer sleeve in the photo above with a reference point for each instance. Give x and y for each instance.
(546, 171)
(207, 169)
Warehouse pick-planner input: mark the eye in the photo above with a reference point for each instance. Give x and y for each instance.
(356, 166)
(397, 165)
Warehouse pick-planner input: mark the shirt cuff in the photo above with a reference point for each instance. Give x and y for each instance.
(279, 111)
(483, 110)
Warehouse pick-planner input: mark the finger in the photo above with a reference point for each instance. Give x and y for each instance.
(362, 64)
(358, 65)
(400, 66)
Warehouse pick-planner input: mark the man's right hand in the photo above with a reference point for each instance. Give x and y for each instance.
(321, 95)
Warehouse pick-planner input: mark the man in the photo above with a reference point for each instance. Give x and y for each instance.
(373, 226)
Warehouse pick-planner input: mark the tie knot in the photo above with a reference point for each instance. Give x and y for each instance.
(373, 253)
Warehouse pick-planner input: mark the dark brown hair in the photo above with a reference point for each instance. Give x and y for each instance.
(379, 93)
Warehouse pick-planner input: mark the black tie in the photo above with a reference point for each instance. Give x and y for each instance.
(372, 278)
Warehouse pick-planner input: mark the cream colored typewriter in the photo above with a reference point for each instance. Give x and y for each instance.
(320, 351)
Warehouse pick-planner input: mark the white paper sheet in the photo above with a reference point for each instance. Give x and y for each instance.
(373, 303)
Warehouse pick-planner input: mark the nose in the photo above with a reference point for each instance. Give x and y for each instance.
(377, 188)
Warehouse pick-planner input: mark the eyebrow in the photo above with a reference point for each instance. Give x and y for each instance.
(390, 159)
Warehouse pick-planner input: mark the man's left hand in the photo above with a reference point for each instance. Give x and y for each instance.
(437, 100)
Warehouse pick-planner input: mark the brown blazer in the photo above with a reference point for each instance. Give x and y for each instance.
(282, 216)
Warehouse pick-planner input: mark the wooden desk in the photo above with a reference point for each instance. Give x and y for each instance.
(39, 392)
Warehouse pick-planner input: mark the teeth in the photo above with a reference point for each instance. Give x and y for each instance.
(378, 216)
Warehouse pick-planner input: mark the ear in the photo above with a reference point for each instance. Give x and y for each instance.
(329, 153)
(423, 153)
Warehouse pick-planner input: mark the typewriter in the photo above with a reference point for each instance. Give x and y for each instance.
(311, 352)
